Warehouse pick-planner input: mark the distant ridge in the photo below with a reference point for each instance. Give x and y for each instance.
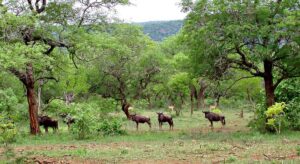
(158, 30)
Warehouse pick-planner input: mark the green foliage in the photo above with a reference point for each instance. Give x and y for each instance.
(217, 111)
(231, 159)
(92, 117)
(289, 92)
(8, 130)
(86, 121)
(111, 127)
(298, 150)
(275, 116)
(292, 114)
(8, 100)
(222, 36)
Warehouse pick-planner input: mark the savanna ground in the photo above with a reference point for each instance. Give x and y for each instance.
(191, 141)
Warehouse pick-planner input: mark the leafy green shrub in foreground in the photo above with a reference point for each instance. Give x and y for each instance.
(8, 131)
(292, 114)
(275, 116)
(86, 119)
(111, 127)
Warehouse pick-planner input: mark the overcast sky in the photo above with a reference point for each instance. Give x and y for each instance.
(150, 10)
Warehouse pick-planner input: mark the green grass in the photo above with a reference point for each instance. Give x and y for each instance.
(192, 140)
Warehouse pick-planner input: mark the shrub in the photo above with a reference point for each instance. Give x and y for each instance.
(292, 114)
(217, 111)
(111, 127)
(8, 130)
(275, 116)
(298, 150)
(231, 159)
(86, 119)
(259, 121)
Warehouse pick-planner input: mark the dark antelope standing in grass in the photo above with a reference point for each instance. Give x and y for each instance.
(48, 122)
(163, 118)
(214, 117)
(140, 119)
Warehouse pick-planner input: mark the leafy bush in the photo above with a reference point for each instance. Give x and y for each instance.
(86, 120)
(292, 114)
(57, 106)
(8, 130)
(259, 121)
(111, 127)
(275, 116)
(298, 150)
(90, 120)
(289, 91)
(217, 111)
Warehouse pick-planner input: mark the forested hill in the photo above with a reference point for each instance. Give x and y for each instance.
(158, 30)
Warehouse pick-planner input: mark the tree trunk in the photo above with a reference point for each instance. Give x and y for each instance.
(269, 86)
(41, 82)
(192, 105)
(149, 102)
(201, 95)
(193, 94)
(33, 108)
(218, 100)
(125, 109)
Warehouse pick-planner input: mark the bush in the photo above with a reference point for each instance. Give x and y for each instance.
(259, 121)
(292, 114)
(298, 150)
(217, 111)
(111, 127)
(276, 117)
(86, 119)
(8, 131)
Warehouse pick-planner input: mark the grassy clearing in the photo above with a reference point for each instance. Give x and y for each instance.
(192, 141)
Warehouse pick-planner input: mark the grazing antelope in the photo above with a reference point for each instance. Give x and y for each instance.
(212, 117)
(163, 118)
(140, 119)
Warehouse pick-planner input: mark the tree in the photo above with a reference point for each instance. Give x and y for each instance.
(127, 69)
(260, 37)
(33, 32)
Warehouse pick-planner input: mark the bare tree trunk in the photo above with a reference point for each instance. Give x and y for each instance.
(193, 94)
(201, 95)
(218, 100)
(41, 83)
(269, 86)
(149, 102)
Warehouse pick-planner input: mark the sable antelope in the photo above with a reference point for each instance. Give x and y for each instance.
(163, 118)
(140, 119)
(46, 122)
(212, 117)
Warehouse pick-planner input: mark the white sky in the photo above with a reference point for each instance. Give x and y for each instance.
(150, 10)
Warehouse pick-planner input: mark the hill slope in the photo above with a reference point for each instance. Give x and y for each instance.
(158, 30)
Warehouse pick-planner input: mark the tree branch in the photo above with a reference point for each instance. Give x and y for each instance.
(21, 75)
(48, 78)
(227, 89)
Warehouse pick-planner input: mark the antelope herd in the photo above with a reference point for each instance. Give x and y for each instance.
(47, 122)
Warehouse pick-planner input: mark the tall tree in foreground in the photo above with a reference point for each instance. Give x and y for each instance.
(261, 37)
(33, 32)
